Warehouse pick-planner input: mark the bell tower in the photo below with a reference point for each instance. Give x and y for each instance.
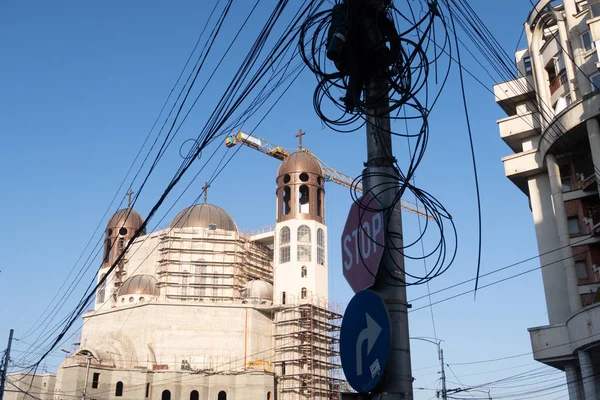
(300, 263)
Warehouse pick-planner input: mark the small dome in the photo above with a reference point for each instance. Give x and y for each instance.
(203, 215)
(300, 161)
(126, 218)
(258, 290)
(139, 284)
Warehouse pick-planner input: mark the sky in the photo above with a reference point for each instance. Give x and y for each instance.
(82, 84)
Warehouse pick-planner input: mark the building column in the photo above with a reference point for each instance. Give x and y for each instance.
(567, 56)
(572, 381)
(587, 375)
(593, 129)
(563, 233)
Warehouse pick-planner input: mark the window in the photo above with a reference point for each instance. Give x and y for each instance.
(222, 395)
(96, 380)
(194, 395)
(527, 63)
(147, 390)
(595, 81)
(586, 41)
(119, 389)
(320, 246)
(282, 297)
(287, 197)
(568, 99)
(581, 269)
(573, 223)
(303, 272)
(106, 251)
(101, 290)
(269, 396)
(283, 368)
(184, 283)
(166, 395)
(284, 245)
(303, 200)
(303, 293)
(304, 246)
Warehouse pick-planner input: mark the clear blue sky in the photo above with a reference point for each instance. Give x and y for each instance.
(82, 83)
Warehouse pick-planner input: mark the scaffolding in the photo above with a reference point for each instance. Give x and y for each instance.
(307, 360)
(203, 265)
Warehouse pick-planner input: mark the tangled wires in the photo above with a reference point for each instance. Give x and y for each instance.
(356, 43)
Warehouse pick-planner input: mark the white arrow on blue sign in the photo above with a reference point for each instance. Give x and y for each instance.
(365, 341)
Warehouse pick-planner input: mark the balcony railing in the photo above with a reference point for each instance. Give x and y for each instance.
(557, 82)
(593, 220)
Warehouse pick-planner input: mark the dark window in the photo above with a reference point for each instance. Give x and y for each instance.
(119, 389)
(527, 62)
(573, 223)
(269, 396)
(222, 395)
(304, 177)
(303, 272)
(106, 250)
(286, 178)
(147, 390)
(287, 197)
(166, 395)
(283, 368)
(303, 293)
(101, 290)
(586, 41)
(595, 82)
(581, 269)
(96, 380)
(321, 246)
(123, 231)
(282, 297)
(194, 395)
(320, 202)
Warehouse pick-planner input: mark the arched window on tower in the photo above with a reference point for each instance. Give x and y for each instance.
(320, 202)
(101, 290)
(304, 246)
(303, 200)
(222, 395)
(303, 272)
(166, 395)
(321, 246)
(194, 395)
(119, 389)
(284, 245)
(106, 250)
(287, 197)
(303, 293)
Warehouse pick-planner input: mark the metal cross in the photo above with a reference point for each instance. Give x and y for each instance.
(129, 193)
(205, 188)
(299, 136)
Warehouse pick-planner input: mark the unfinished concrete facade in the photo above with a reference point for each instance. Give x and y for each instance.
(552, 127)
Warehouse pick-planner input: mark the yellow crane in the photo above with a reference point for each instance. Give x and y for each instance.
(329, 173)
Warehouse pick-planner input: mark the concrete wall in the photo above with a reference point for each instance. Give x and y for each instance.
(41, 386)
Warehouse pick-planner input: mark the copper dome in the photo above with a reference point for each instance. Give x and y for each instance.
(139, 284)
(300, 161)
(126, 218)
(202, 216)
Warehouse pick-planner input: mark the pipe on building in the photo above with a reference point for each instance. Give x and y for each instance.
(563, 233)
(593, 130)
(572, 382)
(587, 374)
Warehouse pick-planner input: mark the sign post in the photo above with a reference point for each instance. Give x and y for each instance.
(363, 241)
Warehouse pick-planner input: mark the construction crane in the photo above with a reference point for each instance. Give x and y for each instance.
(329, 173)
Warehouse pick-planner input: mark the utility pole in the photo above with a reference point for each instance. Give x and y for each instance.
(444, 391)
(87, 376)
(382, 179)
(5, 364)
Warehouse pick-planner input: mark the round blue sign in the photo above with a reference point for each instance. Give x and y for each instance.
(365, 339)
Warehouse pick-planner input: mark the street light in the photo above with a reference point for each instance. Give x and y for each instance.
(438, 343)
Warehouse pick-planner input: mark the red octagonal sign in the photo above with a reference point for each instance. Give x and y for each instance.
(362, 241)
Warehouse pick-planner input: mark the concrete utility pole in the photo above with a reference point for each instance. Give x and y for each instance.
(382, 179)
(444, 390)
(5, 364)
(87, 376)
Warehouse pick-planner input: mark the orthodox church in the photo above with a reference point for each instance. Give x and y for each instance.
(201, 310)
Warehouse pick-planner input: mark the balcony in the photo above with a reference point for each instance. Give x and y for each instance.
(510, 93)
(592, 221)
(518, 127)
(518, 167)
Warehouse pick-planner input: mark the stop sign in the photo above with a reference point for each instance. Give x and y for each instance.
(362, 243)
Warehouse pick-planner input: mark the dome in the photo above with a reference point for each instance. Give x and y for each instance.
(126, 218)
(203, 215)
(300, 161)
(139, 284)
(258, 290)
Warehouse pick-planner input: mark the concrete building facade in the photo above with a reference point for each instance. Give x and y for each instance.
(552, 127)
(190, 312)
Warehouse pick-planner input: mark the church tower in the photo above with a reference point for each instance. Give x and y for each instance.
(300, 264)
(120, 229)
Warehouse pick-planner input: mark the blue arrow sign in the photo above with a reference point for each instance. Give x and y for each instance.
(365, 341)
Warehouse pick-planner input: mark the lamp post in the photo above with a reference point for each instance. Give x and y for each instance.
(438, 343)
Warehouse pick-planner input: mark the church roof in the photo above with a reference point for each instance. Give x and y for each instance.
(127, 218)
(203, 215)
(300, 161)
(139, 284)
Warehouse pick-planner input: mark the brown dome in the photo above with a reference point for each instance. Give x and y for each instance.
(203, 215)
(300, 161)
(126, 218)
(139, 284)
